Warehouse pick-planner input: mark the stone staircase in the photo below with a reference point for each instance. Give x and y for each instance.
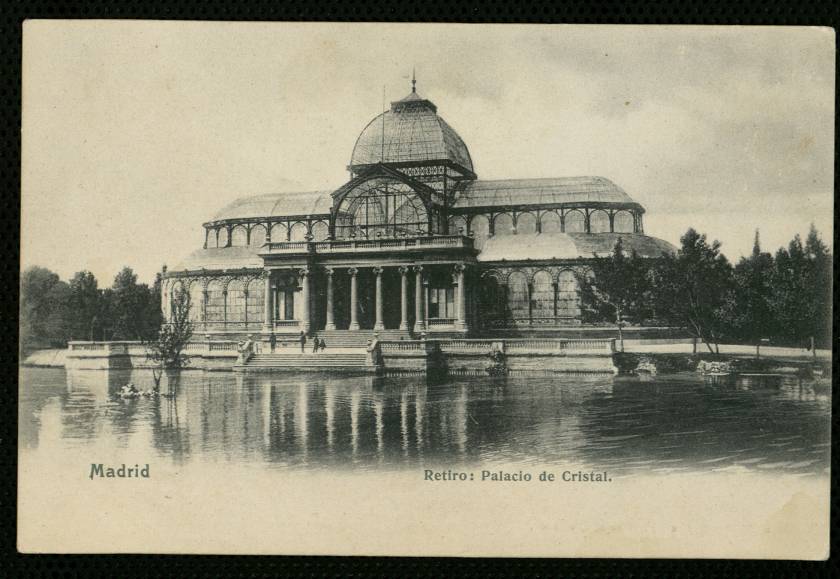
(356, 338)
(322, 361)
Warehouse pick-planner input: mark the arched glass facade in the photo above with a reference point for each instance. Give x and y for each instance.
(257, 235)
(381, 208)
(599, 222)
(236, 301)
(503, 224)
(623, 222)
(543, 296)
(550, 222)
(526, 223)
(239, 236)
(575, 221)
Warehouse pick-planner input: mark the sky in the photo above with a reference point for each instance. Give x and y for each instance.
(135, 133)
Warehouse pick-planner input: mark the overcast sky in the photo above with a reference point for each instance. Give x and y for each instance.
(135, 133)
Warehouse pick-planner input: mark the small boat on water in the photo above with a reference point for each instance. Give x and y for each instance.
(130, 391)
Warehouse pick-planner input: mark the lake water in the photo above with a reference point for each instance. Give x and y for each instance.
(315, 421)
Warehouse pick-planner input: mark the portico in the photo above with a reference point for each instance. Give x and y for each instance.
(411, 297)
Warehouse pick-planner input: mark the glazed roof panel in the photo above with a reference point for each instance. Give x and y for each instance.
(541, 192)
(277, 205)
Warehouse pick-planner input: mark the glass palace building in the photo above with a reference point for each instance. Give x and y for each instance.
(413, 244)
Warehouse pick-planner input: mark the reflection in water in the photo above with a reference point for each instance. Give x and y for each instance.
(673, 423)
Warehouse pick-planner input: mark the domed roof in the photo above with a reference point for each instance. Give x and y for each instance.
(412, 132)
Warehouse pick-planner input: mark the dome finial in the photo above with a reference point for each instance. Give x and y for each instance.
(413, 80)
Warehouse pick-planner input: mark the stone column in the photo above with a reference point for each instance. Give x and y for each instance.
(330, 313)
(403, 298)
(426, 303)
(461, 297)
(378, 325)
(354, 299)
(304, 296)
(268, 304)
(419, 299)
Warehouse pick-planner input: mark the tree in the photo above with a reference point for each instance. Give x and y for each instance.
(132, 308)
(166, 351)
(693, 288)
(801, 294)
(820, 282)
(617, 288)
(750, 313)
(85, 307)
(43, 309)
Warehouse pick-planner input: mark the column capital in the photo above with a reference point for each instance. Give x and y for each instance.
(459, 267)
(329, 270)
(353, 271)
(417, 269)
(303, 272)
(403, 270)
(378, 270)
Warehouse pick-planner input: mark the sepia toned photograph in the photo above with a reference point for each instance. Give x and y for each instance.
(415, 289)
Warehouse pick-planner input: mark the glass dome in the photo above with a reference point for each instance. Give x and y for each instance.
(411, 131)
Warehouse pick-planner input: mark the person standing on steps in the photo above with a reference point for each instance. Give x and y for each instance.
(272, 341)
(315, 346)
(323, 344)
(302, 341)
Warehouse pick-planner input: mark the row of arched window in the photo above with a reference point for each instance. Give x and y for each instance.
(549, 221)
(254, 234)
(480, 226)
(239, 301)
(540, 300)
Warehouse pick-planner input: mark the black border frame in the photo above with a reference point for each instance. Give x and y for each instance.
(12, 15)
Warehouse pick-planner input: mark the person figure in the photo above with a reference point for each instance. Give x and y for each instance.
(315, 344)
(302, 339)
(272, 341)
(323, 344)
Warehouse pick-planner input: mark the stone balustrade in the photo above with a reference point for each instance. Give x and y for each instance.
(388, 244)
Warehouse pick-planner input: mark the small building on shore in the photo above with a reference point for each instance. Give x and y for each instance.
(414, 243)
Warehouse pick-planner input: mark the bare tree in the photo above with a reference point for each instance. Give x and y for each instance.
(166, 351)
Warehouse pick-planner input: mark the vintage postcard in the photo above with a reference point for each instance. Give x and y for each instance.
(410, 289)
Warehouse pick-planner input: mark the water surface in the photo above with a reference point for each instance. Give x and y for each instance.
(669, 424)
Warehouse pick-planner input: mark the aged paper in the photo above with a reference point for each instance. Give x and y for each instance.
(377, 302)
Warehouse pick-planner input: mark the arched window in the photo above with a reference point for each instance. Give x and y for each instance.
(279, 232)
(210, 238)
(381, 207)
(320, 231)
(223, 237)
(298, 232)
(623, 222)
(518, 296)
(256, 300)
(176, 288)
(575, 221)
(503, 224)
(492, 300)
(526, 223)
(480, 228)
(599, 222)
(257, 235)
(215, 307)
(550, 222)
(543, 296)
(196, 300)
(239, 236)
(457, 225)
(567, 295)
(236, 301)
